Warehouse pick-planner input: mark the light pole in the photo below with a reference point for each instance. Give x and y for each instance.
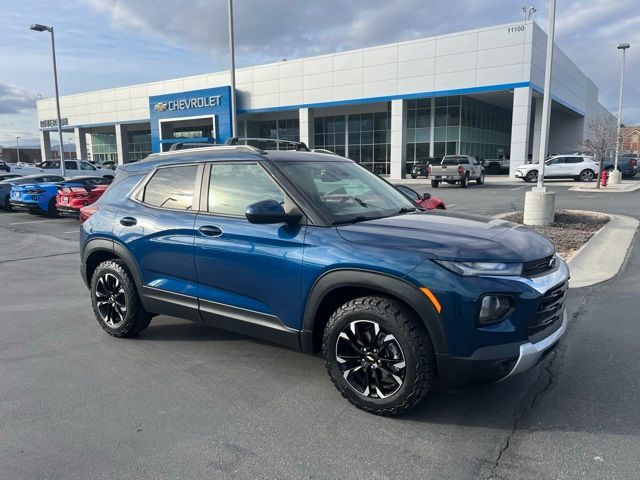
(70, 140)
(539, 204)
(233, 71)
(17, 150)
(615, 175)
(42, 28)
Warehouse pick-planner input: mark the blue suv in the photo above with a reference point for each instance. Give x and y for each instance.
(315, 252)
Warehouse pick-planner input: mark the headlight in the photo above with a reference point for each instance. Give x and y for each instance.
(481, 268)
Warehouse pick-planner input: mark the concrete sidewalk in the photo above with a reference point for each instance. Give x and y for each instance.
(625, 186)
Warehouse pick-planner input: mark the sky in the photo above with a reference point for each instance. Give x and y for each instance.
(111, 43)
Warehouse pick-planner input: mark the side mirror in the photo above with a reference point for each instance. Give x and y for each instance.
(270, 211)
(426, 196)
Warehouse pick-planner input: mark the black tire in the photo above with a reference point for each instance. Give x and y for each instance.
(587, 175)
(7, 203)
(435, 183)
(383, 391)
(464, 182)
(52, 211)
(480, 179)
(531, 176)
(413, 175)
(119, 295)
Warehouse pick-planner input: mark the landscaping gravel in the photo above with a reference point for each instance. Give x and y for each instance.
(569, 231)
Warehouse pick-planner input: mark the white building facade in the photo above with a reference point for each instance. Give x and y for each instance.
(477, 92)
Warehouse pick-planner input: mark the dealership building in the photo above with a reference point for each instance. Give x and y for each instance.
(477, 92)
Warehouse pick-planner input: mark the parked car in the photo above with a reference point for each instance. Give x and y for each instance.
(392, 295)
(75, 168)
(23, 169)
(426, 200)
(42, 197)
(4, 167)
(421, 167)
(456, 169)
(578, 167)
(71, 198)
(8, 176)
(626, 164)
(5, 185)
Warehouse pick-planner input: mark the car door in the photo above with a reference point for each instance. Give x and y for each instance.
(156, 226)
(554, 168)
(71, 168)
(573, 166)
(249, 275)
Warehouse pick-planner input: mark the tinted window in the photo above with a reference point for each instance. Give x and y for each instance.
(556, 161)
(573, 160)
(70, 165)
(171, 187)
(232, 188)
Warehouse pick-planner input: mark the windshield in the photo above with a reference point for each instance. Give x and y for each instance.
(346, 192)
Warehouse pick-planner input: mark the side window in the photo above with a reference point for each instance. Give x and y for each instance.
(69, 165)
(86, 166)
(50, 165)
(556, 161)
(171, 187)
(233, 187)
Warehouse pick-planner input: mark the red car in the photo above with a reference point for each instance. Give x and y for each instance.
(71, 199)
(426, 201)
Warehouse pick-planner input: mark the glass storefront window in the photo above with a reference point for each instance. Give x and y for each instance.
(103, 147)
(139, 144)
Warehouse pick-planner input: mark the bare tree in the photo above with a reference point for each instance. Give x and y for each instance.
(600, 140)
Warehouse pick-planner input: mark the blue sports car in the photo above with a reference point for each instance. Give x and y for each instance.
(7, 183)
(41, 197)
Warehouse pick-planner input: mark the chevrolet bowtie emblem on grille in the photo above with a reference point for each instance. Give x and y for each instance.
(161, 106)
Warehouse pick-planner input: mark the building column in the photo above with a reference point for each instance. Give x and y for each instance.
(307, 134)
(520, 125)
(122, 144)
(537, 130)
(81, 143)
(432, 128)
(398, 138)
(45, 145)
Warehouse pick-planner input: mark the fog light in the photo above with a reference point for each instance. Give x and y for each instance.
(493, 308)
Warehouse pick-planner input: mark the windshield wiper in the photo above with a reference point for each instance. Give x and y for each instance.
(359, 218)
(407, 210)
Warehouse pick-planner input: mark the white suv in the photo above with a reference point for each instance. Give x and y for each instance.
(578, 167)
(74, 168)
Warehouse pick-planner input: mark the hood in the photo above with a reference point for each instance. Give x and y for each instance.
(452, 236)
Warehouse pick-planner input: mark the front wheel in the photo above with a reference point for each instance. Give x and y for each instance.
(378, 355)
(532, 176)
(435, 183)
(115, 301)
(480, 179)
(413, 175)
(587, 175)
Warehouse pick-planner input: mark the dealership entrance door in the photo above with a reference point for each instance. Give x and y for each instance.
(187, 129)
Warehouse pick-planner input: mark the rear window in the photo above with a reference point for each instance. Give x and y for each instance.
(454, 160)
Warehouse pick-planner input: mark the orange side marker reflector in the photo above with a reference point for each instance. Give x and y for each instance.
(433, 298)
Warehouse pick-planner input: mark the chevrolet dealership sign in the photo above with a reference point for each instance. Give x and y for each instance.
(53, 123)
(187, 104)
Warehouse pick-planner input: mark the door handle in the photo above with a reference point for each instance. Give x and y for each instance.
(128, 221)
(210, 231)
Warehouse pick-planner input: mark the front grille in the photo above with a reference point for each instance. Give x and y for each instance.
(548, 316)
(541, 266)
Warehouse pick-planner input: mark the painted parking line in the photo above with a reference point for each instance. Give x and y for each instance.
(518, 188)
(451, 205)
(36, 221)
(73, 231)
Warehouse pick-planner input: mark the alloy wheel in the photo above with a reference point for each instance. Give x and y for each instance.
(586, 176)
(370, 359)
(111, 300)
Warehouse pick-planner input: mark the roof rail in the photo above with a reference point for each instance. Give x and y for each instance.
(300, 146)
(235, 148)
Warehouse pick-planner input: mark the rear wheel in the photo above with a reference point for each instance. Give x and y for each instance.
(7, 203)
(435, 183)
(587, 175)
(413, 175)
(493, 169)
(52, 211)
(464, 182)
(532, 176)
(115, 301)
(378, 355)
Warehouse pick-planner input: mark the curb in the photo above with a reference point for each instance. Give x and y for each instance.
(622, 188)
(602, 257)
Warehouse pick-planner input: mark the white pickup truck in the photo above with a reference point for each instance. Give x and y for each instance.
(456, 169)
(72, 168)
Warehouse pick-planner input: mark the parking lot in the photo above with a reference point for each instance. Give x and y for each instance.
(185, 401)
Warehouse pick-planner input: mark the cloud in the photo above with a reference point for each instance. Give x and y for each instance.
(14, 99)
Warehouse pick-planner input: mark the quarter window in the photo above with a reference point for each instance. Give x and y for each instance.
(171, 187)
(233, 187)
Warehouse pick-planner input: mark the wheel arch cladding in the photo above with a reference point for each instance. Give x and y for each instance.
(99, 250)
(337, 287)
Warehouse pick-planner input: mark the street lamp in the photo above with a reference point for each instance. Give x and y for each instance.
(17, 150)
(36, 27)
(70, 141)
(615, 175)
(233, 71)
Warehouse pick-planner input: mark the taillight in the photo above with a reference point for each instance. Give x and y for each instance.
(34, 191)
(429, 169)
(633, 162)
(87, 211)
(460, 170)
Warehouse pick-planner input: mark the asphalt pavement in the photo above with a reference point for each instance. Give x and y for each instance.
(183, 401)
